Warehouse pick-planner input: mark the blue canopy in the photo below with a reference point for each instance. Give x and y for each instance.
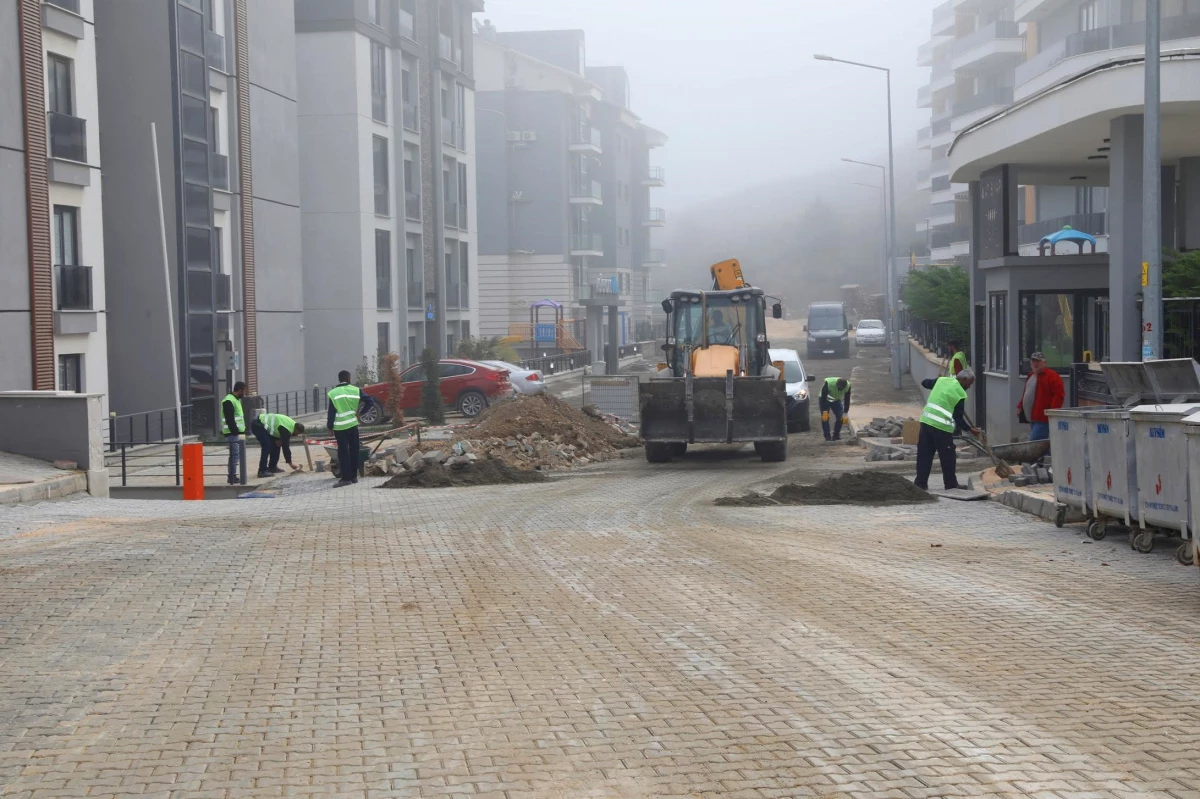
(1068, 233)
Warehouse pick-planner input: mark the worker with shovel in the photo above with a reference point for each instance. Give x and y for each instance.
(345, 402)
(942, 418)
(835, 405)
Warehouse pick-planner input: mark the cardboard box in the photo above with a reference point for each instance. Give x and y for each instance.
(912, 431)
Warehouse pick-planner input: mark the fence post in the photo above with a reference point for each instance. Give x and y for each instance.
(123, 471)
(112, 431)
(177, 456)
(193, 471)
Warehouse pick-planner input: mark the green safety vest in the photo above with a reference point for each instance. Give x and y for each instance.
(274, 422)
(957, 357)
(237, 415)
(943, 399)
(834, 394)
(345, 399)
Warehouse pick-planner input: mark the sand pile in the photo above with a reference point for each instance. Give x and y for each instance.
(477, 473)
(876, 489)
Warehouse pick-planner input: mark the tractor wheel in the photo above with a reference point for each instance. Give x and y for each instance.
(772, 451)
(658, 452)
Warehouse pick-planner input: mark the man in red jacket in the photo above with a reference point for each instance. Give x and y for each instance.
(1043, 391)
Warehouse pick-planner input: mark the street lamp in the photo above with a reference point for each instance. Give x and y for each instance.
(891, 175)
(886, 243)
(883, 215)
(1152, 334)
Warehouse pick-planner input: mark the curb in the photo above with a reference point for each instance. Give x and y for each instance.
(55, 488)
(1040, 505)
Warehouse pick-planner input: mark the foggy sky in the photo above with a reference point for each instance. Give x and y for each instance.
(734, 86)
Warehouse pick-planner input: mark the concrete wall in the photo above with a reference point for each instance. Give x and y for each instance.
(491, 147)
(53, 426)
(563, 49)
(615, 166)
(16, 357)
(507, 284)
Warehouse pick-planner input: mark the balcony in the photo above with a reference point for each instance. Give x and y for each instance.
(988, 98)
(654, 258)
(1095, 224)
(656, 177)
(940, 183)
(448, 51)
(224, 288)
(586, 140)
(941, 77)
(450, 212)
(923, 181)
(73, 285)
(993, 46)
(655, 217)
(1035, 10)
(925, 96)
(68, 137)
(412, 206)
(68, 5)
(587, 244)
(214, 50)
(943, 18)
(407, 28)
(586, 192)
(416, 295)
(411, 120)
(218, 167)
(940, 239)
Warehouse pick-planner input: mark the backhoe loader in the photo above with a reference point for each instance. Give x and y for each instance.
(717, 384)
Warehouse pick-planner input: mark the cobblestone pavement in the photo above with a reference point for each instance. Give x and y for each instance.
(607, 635)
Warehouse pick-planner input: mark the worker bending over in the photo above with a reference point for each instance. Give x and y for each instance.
(834, 401)
(345, 401)
(274, 432)
(942, 418)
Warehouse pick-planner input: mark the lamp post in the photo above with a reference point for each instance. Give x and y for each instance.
(886, 241)
(883, 217)
(891, 175)
(1152, 333)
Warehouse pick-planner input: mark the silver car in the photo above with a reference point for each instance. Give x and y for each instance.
(524, 381)
(870, 332)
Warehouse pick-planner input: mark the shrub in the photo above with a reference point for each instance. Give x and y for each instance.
(485, 349)
(389, 372)
(941, 294)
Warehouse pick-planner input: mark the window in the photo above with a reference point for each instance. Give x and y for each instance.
(412, 193)
(416, 292)
(214, 129)
(453, 369)
(449, 343)
(384, 344)
(375, 12)
(462, 196)
(997, 332)
(198, 248)
(378, 82)
(66, 235)
(464, 268)
(451, 276)
(380, 156)
(193, 77)
(1089, 16)
(217, 249)
(195, 204)
(60, 85)
(195, 161)
(1047, 326)
(383, 269)
(190, 29)
(70, 373)
(412, 348)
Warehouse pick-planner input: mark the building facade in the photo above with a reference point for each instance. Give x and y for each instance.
(564, 180)
(53, 317)
(217, 79)
(387, 120)
(1067, 151)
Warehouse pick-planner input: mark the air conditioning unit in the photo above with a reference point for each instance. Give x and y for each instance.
(514, 135)
(529, 135)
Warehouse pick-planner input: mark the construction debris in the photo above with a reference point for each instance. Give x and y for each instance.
(877, 489)
(890, 427)
(457, 473)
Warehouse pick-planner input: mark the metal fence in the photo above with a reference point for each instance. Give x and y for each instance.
(554, 364)
(616, 395)
(933, 336)
(148, 427)
(300, 402)
(1181, 328)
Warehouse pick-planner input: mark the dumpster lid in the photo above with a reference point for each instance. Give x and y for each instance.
(1167, 412)
(1175, 380)
(1128, 382)
(1193, 424)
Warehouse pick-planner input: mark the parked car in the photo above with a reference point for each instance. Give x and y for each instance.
(870, 332)
(466, 386)
(798, 395)
(828, 330)
(524, 381)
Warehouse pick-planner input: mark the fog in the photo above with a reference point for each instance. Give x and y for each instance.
(757, 127)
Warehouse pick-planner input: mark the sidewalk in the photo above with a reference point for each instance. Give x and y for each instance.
(28, 480)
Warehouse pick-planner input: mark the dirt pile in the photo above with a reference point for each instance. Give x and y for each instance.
(477, 473)
(875, 489)
(543, 432)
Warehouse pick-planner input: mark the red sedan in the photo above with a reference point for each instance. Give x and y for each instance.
(467, 386)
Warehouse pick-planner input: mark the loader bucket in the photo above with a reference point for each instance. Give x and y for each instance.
(713, 409)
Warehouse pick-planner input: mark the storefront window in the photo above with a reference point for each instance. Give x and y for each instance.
(1048, 326)
(998, 332)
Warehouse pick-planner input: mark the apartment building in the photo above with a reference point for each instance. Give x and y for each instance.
(1068, 151)
(387, 139)
(52, 264)
(564, 202)
(217, 79)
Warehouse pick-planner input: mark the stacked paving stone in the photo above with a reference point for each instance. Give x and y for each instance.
(880, 427)
(1030, 474)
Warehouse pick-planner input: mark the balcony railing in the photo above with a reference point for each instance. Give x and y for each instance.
(69, 5)
(1132, 34)
(416, 295)
(941, 126)
(1095, 224)
(68, 137)
(224, 287)
(656, 175)
(586, 190)
(450, 132)
(654, 257)
(411, 120)
(74, 287)
(214, 50)
(944, 12)
(447, 50)
(587, 138)
(587, 242)
(940, 239)
(218, 167)
(656, 216)
(1000, 29)
(379, 106)
(985, 99)
(450, 210)
(407, 29)
(412, 205)
(940, 183)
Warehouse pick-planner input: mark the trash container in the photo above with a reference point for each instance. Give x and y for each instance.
(1160, 447)
(1113, 464)
(1191, 429)
(1068, 445)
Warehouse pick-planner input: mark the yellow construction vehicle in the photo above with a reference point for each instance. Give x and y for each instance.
(717, 384)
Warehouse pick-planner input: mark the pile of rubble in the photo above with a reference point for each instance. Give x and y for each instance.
(895, 449)
(891, 427)
(1029, 475)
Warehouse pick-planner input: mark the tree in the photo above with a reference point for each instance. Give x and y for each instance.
(941, 294)
(1181, 274)
(431, 391)
(485, 349)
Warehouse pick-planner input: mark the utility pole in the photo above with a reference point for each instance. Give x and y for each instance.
(1152, 334)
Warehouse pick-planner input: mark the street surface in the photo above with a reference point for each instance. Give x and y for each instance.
(607, 634)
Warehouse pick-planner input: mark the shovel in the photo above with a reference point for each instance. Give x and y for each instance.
(1003, 470)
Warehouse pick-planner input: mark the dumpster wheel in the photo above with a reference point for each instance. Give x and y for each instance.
(1143, 542)
(1060, 516)
(1183, 553)
(1097, 530)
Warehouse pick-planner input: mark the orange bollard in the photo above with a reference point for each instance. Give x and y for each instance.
(193, 471)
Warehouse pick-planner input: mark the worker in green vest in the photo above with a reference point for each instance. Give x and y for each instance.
(943, 417)
(834, 403)
(958, 359)
(274, 432)
(345, 401)
(233, 427)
